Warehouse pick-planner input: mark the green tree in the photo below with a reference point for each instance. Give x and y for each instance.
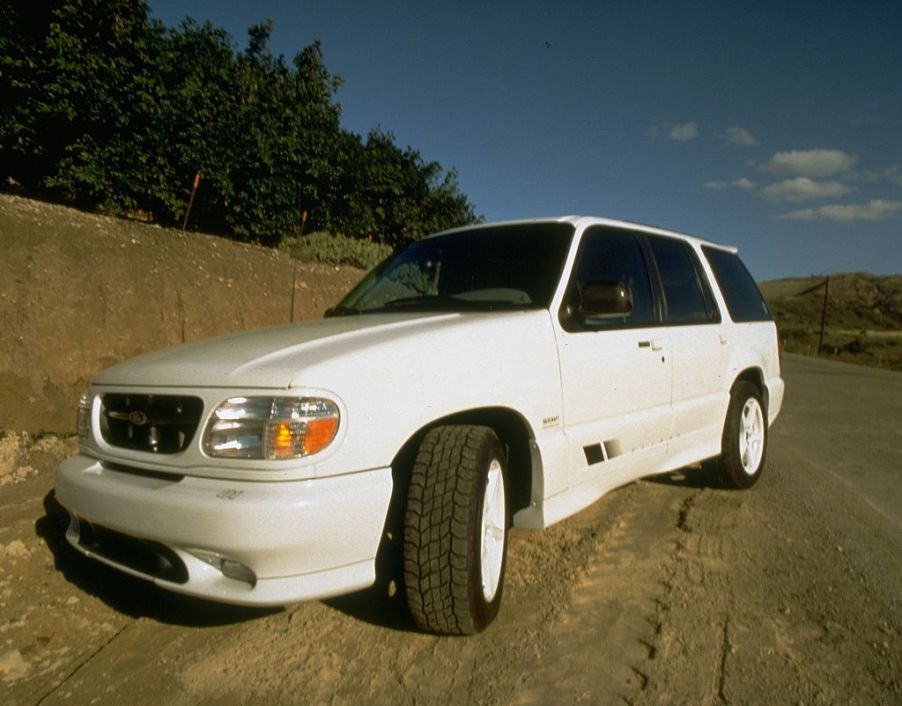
(107, 109)
(84, 97)
(397, 196)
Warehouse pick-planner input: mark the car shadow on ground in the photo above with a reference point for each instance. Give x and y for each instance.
(377, 607)
(126, 594)
(700, 476)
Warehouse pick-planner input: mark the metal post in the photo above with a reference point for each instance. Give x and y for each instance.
(820, 342)
(294, 287)
(294, 279)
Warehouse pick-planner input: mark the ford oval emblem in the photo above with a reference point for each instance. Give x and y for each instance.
(138, 418)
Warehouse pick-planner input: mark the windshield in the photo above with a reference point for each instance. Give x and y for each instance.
(484, 269)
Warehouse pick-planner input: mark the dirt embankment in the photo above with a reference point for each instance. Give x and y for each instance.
(80, 292)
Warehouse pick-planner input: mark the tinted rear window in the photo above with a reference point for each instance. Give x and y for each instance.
(742, 295)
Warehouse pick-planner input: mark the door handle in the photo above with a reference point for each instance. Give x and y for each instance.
(655, 344)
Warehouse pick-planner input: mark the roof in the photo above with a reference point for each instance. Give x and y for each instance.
(581, 222)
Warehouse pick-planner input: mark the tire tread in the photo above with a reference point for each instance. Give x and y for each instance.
(437, 529)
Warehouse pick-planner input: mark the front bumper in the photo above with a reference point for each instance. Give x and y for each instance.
(300, 540)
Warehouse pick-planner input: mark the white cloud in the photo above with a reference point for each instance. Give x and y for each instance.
(741, 183)
(685, 132)
(740, 136)
(874, 210)
(804, 189)
(891, 174)
(810, 163)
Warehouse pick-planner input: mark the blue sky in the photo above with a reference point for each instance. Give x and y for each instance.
(774, 126)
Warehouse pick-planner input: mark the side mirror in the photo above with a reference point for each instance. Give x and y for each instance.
(603, 300)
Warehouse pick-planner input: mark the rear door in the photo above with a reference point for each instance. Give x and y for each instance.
(699, 348)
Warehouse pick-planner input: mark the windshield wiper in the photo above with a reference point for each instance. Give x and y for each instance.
(441, 302)
(340, 311)
(427, 300)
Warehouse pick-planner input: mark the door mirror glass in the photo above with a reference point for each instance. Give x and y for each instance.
(604, 300)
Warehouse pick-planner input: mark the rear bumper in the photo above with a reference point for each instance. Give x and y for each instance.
(775, 391)
(296, 540)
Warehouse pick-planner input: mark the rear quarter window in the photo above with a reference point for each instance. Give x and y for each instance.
(743, 298)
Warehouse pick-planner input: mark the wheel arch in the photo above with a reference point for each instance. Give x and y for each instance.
(755, 376)
(515, 434)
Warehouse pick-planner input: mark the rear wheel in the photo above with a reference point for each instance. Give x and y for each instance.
(744, 441)
(455, 530)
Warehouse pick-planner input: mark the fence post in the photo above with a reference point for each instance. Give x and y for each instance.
(820, 342)
(294, 279)
(191, 201)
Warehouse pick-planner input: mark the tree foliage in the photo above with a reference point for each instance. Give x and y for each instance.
(104, 108)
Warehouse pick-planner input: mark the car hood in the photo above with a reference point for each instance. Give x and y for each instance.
(283, 357)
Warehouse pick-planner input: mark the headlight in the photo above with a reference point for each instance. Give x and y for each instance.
(83, 421)
(273, 428)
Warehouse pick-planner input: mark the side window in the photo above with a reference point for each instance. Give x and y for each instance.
(686, 291)
(743, 298)
(615, 256)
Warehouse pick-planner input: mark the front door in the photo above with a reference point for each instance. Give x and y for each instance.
(616, 373)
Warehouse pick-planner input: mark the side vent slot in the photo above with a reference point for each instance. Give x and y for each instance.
(612, 449)
(597, 453)
(594, 453)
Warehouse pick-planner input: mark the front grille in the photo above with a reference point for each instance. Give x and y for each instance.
(145, 557)
(163, 424)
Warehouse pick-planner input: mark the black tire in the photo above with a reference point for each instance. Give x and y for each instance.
(457, 467)
(744, 440)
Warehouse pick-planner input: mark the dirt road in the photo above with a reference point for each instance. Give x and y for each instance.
(666, 591)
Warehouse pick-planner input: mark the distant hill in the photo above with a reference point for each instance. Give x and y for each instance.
(863, 316)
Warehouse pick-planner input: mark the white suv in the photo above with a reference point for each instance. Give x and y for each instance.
(498, 375)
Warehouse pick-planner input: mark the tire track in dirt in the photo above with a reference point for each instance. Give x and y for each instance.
(600, 646)
(698, 565)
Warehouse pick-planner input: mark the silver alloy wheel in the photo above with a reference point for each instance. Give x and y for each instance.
(751, 436)
(494, 525)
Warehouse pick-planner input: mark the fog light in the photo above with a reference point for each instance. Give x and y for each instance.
(229, 567)
(238, 571)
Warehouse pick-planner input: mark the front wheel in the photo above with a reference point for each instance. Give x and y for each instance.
(455, 530)
(744, 441)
